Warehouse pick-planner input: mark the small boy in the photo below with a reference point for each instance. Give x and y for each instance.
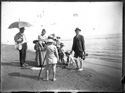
(70, 59)
(37, 47)
(51, 59)
(73, 60)
(61, 52)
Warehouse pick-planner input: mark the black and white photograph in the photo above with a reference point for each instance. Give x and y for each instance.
(61, 46)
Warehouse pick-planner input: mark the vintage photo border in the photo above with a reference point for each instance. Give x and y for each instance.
(123, 33)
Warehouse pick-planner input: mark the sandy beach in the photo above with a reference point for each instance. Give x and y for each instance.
(96, 76)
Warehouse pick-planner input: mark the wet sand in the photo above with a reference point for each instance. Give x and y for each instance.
(97, 75)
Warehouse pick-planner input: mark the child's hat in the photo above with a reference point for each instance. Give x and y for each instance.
(50, 41)
(35, 41)
(67, 52)
(62, 44)
(50, 37)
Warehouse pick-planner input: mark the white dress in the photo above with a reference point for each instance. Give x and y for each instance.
(50, 55)
(43, 53)
(42, 38)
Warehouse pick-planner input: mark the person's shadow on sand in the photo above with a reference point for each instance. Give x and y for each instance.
(17, 74)
(17, 64)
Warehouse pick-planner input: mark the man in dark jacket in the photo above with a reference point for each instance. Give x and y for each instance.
(79, 48)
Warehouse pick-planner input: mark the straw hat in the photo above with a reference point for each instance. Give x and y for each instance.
(50, 41)
(50, 37)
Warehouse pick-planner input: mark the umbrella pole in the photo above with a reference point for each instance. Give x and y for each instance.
(40, 73)
(41, 68)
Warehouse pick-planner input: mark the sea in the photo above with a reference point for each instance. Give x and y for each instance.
(103, 47)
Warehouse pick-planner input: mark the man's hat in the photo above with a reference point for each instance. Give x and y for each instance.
(22, 28)
(77, 29)
(35, 41)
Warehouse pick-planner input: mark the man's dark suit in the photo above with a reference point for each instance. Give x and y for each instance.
(78, 46)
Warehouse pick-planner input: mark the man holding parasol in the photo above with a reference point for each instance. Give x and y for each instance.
(20, 40)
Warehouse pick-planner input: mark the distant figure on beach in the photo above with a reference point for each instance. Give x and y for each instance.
(79, 48)
(42, 41)
(38, 49)
(21, 45)
(51, 59)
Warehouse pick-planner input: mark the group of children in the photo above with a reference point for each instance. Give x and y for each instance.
(51, 46)
(55, 54)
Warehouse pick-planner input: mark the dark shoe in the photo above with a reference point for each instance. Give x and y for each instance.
(25, 64)
(66, 64)
(54, 79)
(39, 66)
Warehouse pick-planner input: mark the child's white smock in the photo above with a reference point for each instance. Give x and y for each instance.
(50, 56)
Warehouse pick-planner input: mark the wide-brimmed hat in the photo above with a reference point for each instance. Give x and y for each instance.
(22, 28)
(50, 37)
(50, 41)
(77, 29)
(35, 41)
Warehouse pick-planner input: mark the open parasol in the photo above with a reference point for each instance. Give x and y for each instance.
(19, 24)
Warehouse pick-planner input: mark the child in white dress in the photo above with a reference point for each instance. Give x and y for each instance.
(51, 59)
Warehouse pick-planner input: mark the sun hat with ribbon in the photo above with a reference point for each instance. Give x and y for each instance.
(50, 41)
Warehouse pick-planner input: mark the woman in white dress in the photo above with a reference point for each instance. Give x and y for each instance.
(42, 40)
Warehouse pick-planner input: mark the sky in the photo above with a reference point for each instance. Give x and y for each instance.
(61, 18)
